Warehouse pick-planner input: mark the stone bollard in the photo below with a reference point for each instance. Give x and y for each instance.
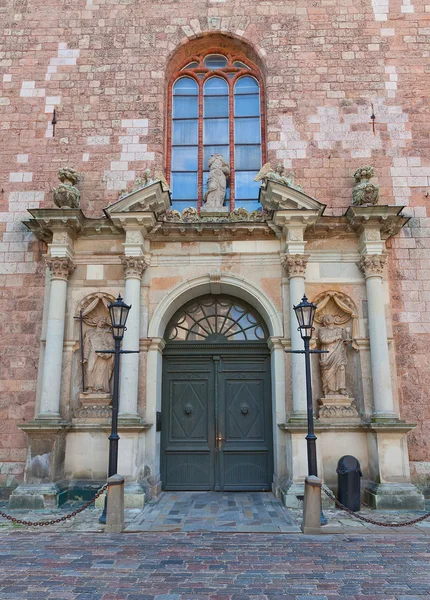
(115, 505)
(311, 523)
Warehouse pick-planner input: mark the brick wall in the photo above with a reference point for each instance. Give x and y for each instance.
(103, 65)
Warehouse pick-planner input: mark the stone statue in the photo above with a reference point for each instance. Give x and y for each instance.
(333, 365)
(99, 367)
(365, 193)
(66, 195)
(267, 173)
(219, 170)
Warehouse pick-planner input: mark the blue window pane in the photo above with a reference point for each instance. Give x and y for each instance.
(184, 186)
(215, 61)
(182, 205)
(247, 131)
(184, 159)
(247, 158)
(240, 64)
(205, 185)
(215, 86)
(247, 106)
(250, 205)
(185, 132)
(215, 106)
(191, 65)
(246, 85)
(209, 150)
(215, 131)
(185, 87)
(245, 186)
(185, 107)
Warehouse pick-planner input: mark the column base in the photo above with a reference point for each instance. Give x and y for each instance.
(31, 496)
(297, 417)
(292, 496)
(385, 418)
(393, 496)
(134, 497)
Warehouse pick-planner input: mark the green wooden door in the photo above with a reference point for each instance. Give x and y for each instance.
(216, 417)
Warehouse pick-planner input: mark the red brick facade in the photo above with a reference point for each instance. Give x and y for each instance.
(327, 67)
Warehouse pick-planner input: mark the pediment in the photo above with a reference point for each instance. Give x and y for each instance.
(276, 196)
(154, 198)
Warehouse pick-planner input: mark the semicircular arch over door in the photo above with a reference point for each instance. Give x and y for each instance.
(216, 404)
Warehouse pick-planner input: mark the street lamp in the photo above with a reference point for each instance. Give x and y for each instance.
(305, 313)
(118, 312)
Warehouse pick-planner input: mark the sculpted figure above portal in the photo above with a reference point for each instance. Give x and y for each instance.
(219, 171)
(333, 365)
(99, 367)
(279, 175)
(365, 193)
(66, 195)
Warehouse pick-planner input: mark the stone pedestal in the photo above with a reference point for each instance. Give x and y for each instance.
(115, 505)
(211, 211)
(44, 485)
(94, 406)
(337, 407)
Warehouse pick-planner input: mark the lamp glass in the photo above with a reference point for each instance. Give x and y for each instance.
(118, 311)
(305, 313)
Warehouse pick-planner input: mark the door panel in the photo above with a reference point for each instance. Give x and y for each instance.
(187, 437)
(246, 425)
(216, 421)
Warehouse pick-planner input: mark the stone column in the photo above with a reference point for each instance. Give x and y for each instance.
(373, 266)
(61, 268)
(295, 268)
(134, 267)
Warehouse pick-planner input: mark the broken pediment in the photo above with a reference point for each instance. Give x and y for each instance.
(276, 196)
(153, 198)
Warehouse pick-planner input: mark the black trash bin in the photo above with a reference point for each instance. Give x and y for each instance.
(348, 480)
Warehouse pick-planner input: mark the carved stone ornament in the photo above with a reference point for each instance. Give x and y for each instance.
(61, 268)
(66, 195)
(295, 264)
(219, 171)
(94, 412)
(279, 175)
(191, 215)
(98, 367)
(372, 265)
(134, 266)
(333, 411)
(341, 307)
(365, 193)
(144, 181)
(334, 340)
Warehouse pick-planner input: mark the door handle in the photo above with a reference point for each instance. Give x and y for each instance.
(220, 440)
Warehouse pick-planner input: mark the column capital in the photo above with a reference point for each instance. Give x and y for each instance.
(373, 265)
(295, 265)
(61, 268)
(134, 266)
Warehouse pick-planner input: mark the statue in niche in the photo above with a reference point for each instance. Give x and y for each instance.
(99, 367)
(219, 171)
(335, 339)
(278, 175)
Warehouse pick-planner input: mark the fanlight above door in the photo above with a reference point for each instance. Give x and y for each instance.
(216, 319)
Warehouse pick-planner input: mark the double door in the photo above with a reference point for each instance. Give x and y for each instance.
(216, 431)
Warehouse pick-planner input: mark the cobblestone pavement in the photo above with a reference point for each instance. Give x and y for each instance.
(206, 511)
(213, 566)
(212, 511)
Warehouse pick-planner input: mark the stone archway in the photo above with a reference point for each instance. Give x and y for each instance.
(214, 283)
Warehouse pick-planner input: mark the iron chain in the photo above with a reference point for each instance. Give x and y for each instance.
(54, 521)
(330, 494)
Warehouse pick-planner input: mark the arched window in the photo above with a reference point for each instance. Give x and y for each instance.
(215, 108)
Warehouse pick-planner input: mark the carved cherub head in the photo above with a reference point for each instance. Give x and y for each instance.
(328, 321)
(279, 169)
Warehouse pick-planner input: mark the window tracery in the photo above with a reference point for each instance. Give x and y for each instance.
(215, 107)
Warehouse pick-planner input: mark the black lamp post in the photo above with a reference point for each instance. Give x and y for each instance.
(305, 313)
(118, 312)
